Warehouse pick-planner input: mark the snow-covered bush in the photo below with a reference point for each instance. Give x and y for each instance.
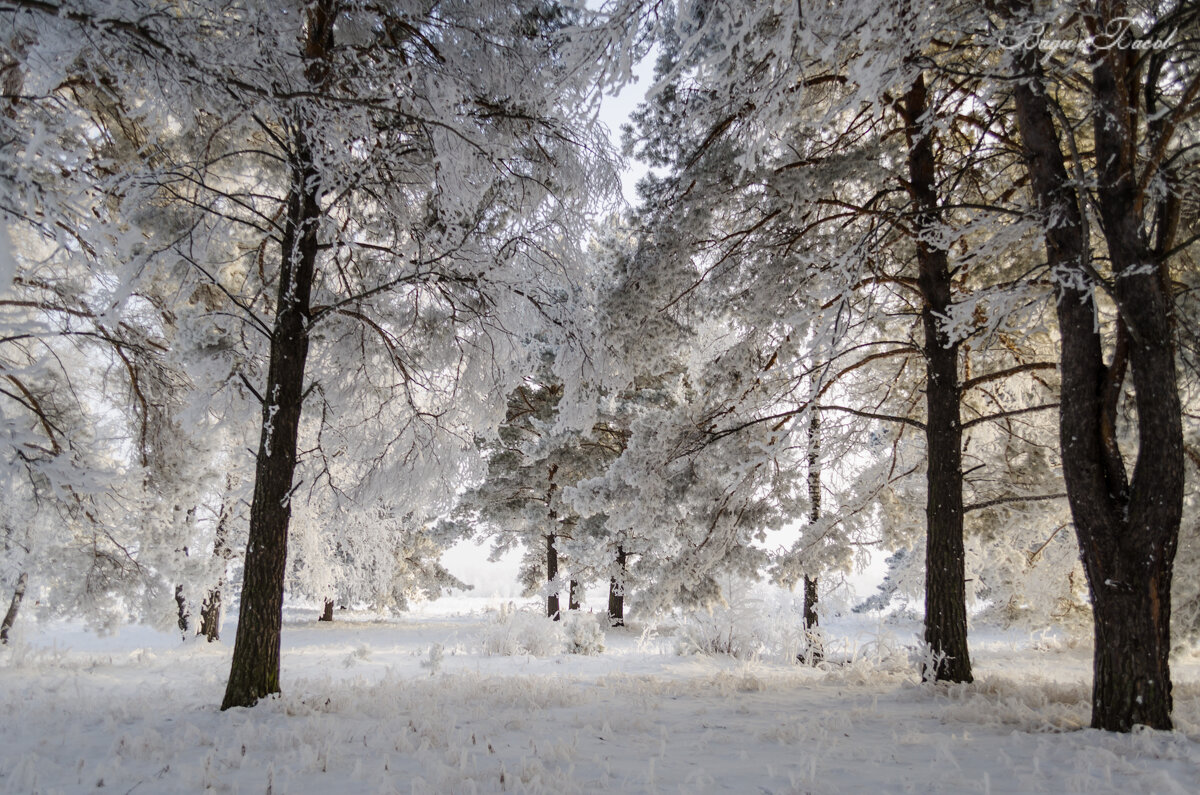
(514, 631)
(433, 661)
(583, 633)
(754, 621)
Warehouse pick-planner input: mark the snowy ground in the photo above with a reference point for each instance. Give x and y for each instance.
(366, 710)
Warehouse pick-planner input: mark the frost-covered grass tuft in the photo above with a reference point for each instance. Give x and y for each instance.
(1033, 704)
(141, 715)
(512, 632)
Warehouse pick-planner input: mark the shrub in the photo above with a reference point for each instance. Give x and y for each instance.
(583, 633)
(514, 631)
(754, 621)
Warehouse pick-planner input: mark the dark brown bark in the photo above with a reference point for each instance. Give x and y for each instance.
(1127, 531)
(14, 607)
(210, 616)
(945, 558)
(811, 620)
(254, 672)
(814, 649)
(326, 611)
(1132, 566)
(616, 592)
(573, 596)
(552, 609)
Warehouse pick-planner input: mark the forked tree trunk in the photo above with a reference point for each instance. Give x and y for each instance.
(14, 607)
(1127, 530)
(254, 672)
(327, 612)
(945, 557)
(616, 592)
(573, 597)
(1133, 677)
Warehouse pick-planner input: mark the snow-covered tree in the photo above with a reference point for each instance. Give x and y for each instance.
(1135, 104)
(384, 203)
(830, 206)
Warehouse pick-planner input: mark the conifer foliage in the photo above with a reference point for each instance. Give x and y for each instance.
(295, 295)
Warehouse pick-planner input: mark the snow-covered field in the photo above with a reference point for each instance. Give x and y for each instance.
(369, 707)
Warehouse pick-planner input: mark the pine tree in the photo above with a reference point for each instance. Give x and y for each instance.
(1127, 526)
(382, 208)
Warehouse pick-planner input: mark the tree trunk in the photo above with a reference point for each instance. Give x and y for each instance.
(254, 672)
(14, 606)
(210, 616)
(814, 651)
(573, 597)
(811, 620)
(182, 611)
(327, 612)
(945, 557)
(1132, 576)
(1127, 531)
(211, 609)
(616, 592)
(183, 615)
(552, 610)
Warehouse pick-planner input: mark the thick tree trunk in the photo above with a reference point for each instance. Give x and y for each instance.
(255, 668)
(1127, 530)
(1131, 673)
(327, 611)
(1133, 677)
(254, 672)
(616, 592)
(945, 557)
(552, 610)
(14, 607)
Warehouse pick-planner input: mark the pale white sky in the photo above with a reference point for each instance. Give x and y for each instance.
(615, 110)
